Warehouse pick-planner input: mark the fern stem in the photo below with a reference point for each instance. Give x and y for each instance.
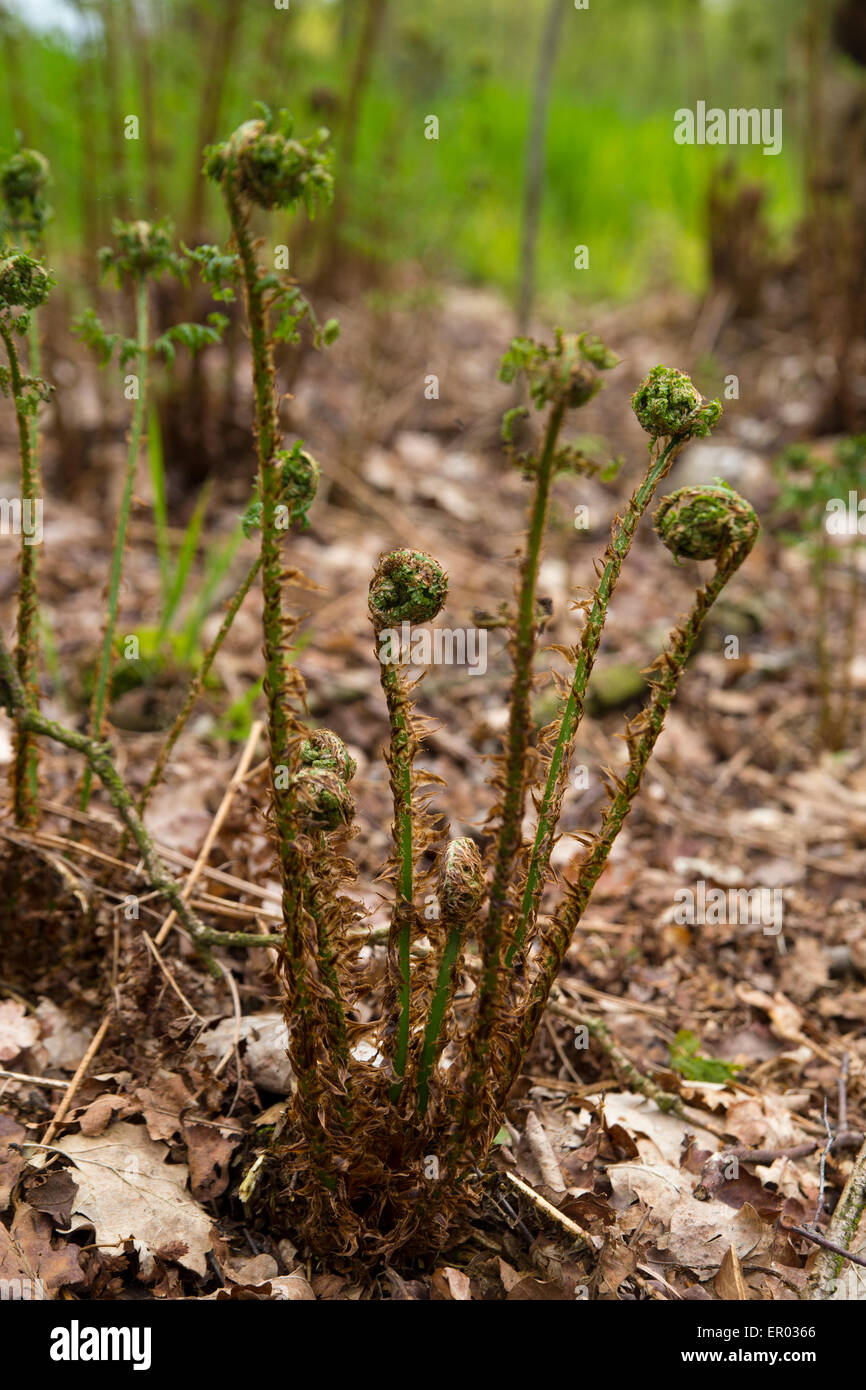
(642, 734)
(100, 692)
(402, 751)
(622, 535)
(25, 765)
(283, 688)
(443, 992)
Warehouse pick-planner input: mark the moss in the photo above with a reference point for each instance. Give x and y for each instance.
(668, 405)
(408, 586)
(698, 523)
(614, 687)
(324, 749)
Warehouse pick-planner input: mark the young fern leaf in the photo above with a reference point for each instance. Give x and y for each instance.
(407, 587)
(697, 522)
(142, 251)
(562, 379)
(671, 410)
(261, 165)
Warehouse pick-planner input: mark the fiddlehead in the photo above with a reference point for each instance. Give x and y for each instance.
(706, 522)
(407, 587)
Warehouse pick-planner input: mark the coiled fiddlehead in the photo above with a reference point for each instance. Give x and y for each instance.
(708, 522)
(671, 410)
(408, 586)
(260, 164)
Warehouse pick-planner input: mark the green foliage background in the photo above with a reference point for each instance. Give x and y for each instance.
(615, 179)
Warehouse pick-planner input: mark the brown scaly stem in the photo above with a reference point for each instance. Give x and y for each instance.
(520, 715)
(514, 774)
(282, 683)
(731, 527)
(563, 379)
(397, 1004)
(550, 807)
(25, 212)
(25, 766)
(98, 757)
(260, 164)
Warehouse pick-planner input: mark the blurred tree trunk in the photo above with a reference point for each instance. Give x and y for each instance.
(371, 29)
(533, 186)
(222, 52)
(20, 111)
(113, 108)
(143, 38)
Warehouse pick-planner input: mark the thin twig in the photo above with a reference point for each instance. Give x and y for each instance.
(63, 1108)
(33, 1080)
(550, 1211)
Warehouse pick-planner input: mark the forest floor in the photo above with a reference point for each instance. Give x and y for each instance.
(758, 1028)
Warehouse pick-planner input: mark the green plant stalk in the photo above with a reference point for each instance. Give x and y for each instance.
(642, 734)
(25, 765)
(100, 692)
(443, 992)
(514, 776)
(185, 557)
(398, 996)
(282, 686)
(98, 755)
(572, 714)
(160, 509)
(197, 684)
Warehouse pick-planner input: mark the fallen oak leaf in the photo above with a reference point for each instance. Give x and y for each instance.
(210, 1147)
(52, 1192)
(162, 1104)
(127, 1191)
